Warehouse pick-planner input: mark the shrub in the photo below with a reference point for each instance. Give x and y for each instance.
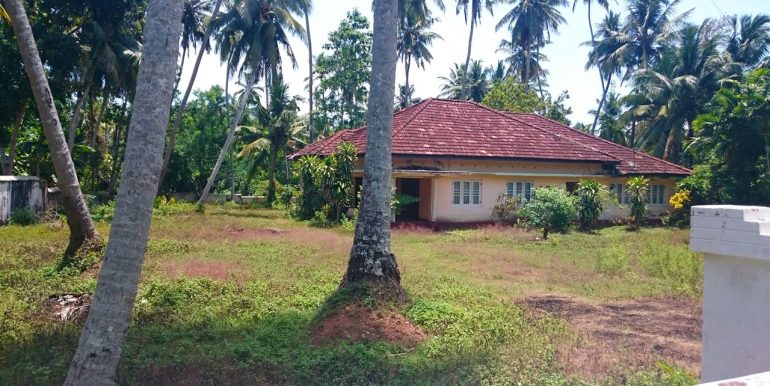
(636, 189)
(506, 209)
(399, 201)
(551, 209)
(325, 181)
(590, 198)
(23, 217)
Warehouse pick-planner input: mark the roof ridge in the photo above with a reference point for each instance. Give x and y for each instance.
(615, 144)
(543, 130)
(397, 130)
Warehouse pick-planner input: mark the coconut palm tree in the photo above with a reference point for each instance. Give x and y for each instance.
(649, 25)
(477, 82)
(100, 346)
(606, 5)
(183, 104)
(531, 23)
(79, 220)
(749, 40)
(607, 55)
(414, 40)
(679, 87)
(472, 8)
(516, 59)
(249, 37)
(306, 9)
(417, 9)
(193, 30)
(372, 265)
(277, 129)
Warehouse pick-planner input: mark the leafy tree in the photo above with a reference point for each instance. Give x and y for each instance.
(344, 74)
(474, 8)
(510, 95)
(735, 138)
(749, 40)
(81, 225)
(100, 346)
(636, 190)
(372, 266)
(552, 209)
(590, 199)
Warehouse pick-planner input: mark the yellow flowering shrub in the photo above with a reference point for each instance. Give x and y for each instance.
(680, 199)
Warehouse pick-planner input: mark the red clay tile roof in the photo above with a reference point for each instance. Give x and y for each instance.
(452, 128)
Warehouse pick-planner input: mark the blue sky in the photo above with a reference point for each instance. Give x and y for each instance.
(566, 56)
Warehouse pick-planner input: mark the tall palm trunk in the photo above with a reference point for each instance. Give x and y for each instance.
(605, 89)
(271, 176)
(372, 264)
(78, 218)
(311, 126)
(88, 81)
(233, 125)
(407, 65)
(179, 71)
(527, 56)
(183, 104)
(467, 61)
(8, 162)
(100, 346)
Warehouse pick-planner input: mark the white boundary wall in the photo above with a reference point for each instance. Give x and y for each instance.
(736, 288)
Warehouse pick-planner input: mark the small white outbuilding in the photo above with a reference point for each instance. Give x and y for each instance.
(21, 192)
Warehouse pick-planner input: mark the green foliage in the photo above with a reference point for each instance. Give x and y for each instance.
(506, 209)
(636, 190)
(400, 201)
(590, 199)
(735, 142)
(23, 217)
(510, 95)
(612, 261)
(343, 73)
(551, 209)
(325, 183)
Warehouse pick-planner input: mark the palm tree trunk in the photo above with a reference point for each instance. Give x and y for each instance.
(311, 127)
(467, 62)
(179, 71)
(78, 218)
(75, 122)
(8, 162)
(527, 56)
(100, 346)
(271, 176)
(407, 65)
(233, 125)
(372, 264)
(100, 116)
(183, 105)
(605, 89)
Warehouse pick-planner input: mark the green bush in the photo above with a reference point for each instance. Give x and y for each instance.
(506, 209)
(24, 217)
(325, 181)
(551, 209)
(590, 198)
(636, 189)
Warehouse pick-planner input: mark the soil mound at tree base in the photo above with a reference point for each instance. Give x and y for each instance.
(357, 323)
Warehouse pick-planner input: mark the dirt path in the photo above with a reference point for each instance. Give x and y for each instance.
(625, 334)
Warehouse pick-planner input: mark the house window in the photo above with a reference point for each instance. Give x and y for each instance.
(520, 189)
(466, 192)
(656, 194)
(618, 190)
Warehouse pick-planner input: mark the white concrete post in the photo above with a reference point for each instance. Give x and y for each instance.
(736, 288)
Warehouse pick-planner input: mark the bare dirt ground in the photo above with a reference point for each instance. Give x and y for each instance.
(615, 335)
(358, 323)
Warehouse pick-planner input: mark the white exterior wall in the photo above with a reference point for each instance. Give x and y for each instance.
(13, 188)
(736, 289)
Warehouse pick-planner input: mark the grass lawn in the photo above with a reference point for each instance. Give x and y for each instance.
(229, 297)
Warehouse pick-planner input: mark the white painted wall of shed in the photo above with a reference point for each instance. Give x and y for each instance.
(9, 188)
(736, 294)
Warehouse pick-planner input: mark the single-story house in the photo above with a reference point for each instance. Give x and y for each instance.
(459, 156)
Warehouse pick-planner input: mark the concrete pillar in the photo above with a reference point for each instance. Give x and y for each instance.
(735, 241)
